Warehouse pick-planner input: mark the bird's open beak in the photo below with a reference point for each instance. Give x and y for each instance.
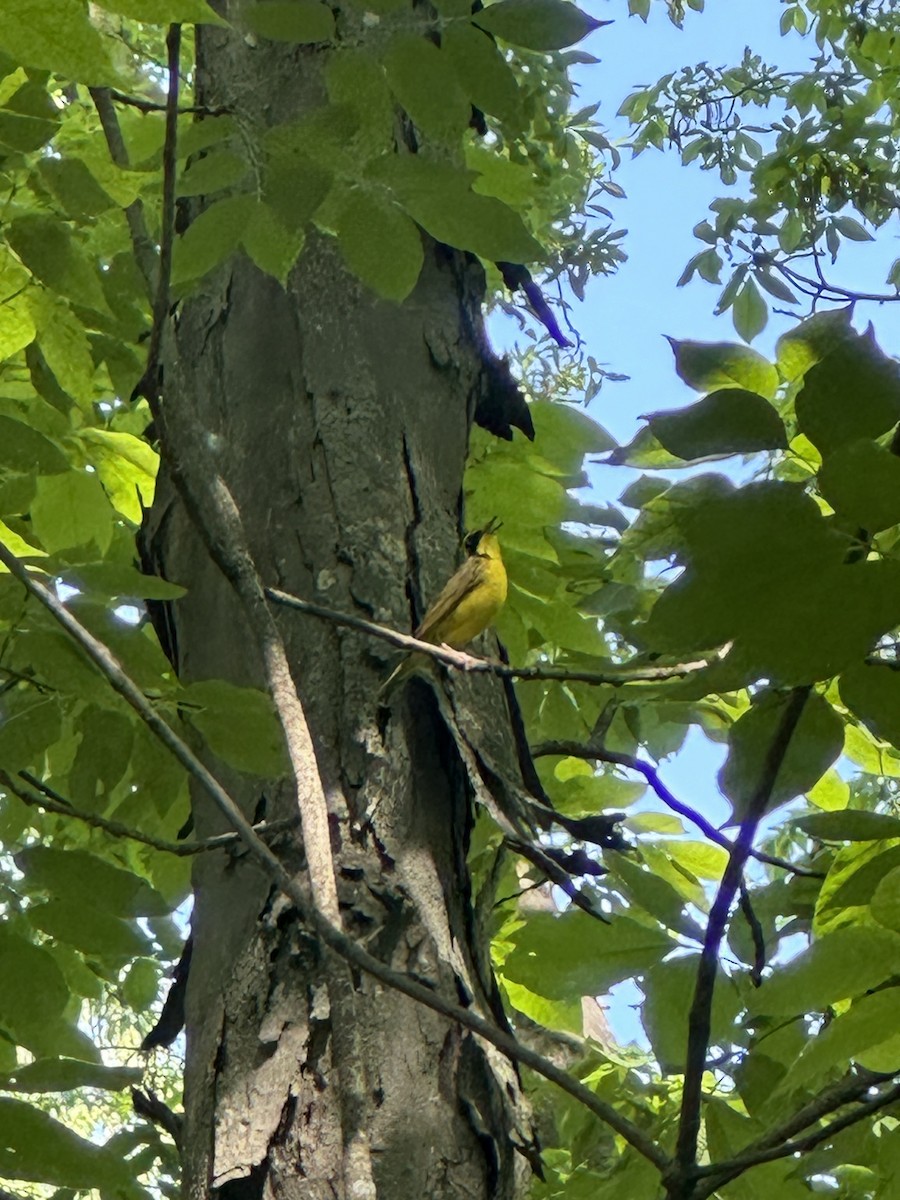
(493, 525)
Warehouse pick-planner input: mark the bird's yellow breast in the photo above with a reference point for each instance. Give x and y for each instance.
(477, 609)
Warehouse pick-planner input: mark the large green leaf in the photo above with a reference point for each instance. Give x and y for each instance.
(669, 989)
(816, 742)
(861, 481)
(71, 510)
(729, 421)
(441, 199)
(423, 79)
(837, 967)
(854, 392)
(53, 255)
(570, 955)
(77, 875)
(90, 930)
(33, 1146)
(381, 244)
(65, 1074)
(537, 24)
(710, 366)
(290, 20)
(56, 35)
(483, 73)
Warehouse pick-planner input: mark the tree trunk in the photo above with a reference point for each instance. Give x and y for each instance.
(340, 424)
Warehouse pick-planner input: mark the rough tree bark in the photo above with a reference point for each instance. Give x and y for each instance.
(340, 424)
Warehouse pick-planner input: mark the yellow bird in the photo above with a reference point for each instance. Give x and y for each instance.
(468, 603)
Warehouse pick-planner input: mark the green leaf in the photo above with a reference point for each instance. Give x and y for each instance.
(102, 757)
(36, 1147)
(71, 510)
(165, 12)
(537, 24)
(483, 73)
(47, 248)
(304, 21)
(66, 1074)
(211, 173)
(853, 393)
(356, 81)
(382, 246)
(811, 340)
(16, 326)
(211, 238)
(64, 345)
(126, 466)
(30, 725)
(749, 312)
(89, 929)
(669, 989)
(886, 901)
(816, 742)
(861, 481)
(75, 875)
(852, 229)
(72, 183)
(272, 246)
(850, 825)
(710, 366)
(141, 985)
(116, 581)
(730, 421)
(24, 449)
(646, 452)
(571, 955)
(33, 992)
(439, 197)
(239, 725)
(56, 35)
(424, 82)
(870, 1023)
(837, 967)
(873, 693)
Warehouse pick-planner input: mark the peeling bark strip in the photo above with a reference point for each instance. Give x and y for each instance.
(339, 423)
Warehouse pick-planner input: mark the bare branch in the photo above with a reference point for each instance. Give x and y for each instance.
(613, 676)
(571, 749)
(700, 1016)
(144, 249)
(52, 801)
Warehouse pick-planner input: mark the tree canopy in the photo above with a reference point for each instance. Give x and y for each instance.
(746, 584)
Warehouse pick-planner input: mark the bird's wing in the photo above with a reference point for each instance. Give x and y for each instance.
(461, 584)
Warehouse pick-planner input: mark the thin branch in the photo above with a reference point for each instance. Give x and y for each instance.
(613, 675)
(144, 249)
(756, 932)
(700, 1017)
(571, 749)
(821, 289)
(149, 384)
(343, 946)
(152, 106)
(52, 801)
(724, 1172)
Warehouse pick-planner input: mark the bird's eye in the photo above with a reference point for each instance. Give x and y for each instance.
(471, 542)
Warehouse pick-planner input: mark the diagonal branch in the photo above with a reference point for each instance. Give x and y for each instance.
(613, 676)
(52, 801)
(700, 1017)
(109, 666)
(144, 250)
(715, 1175)
(572, 749)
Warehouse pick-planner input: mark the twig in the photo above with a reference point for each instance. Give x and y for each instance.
(719, 1174)
(613, 676)
(52, 801)
(343, 946)
(571, 749)
(700, 1017)
(149, 385)
(144, 250)
(756, 932)
(153, 106)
